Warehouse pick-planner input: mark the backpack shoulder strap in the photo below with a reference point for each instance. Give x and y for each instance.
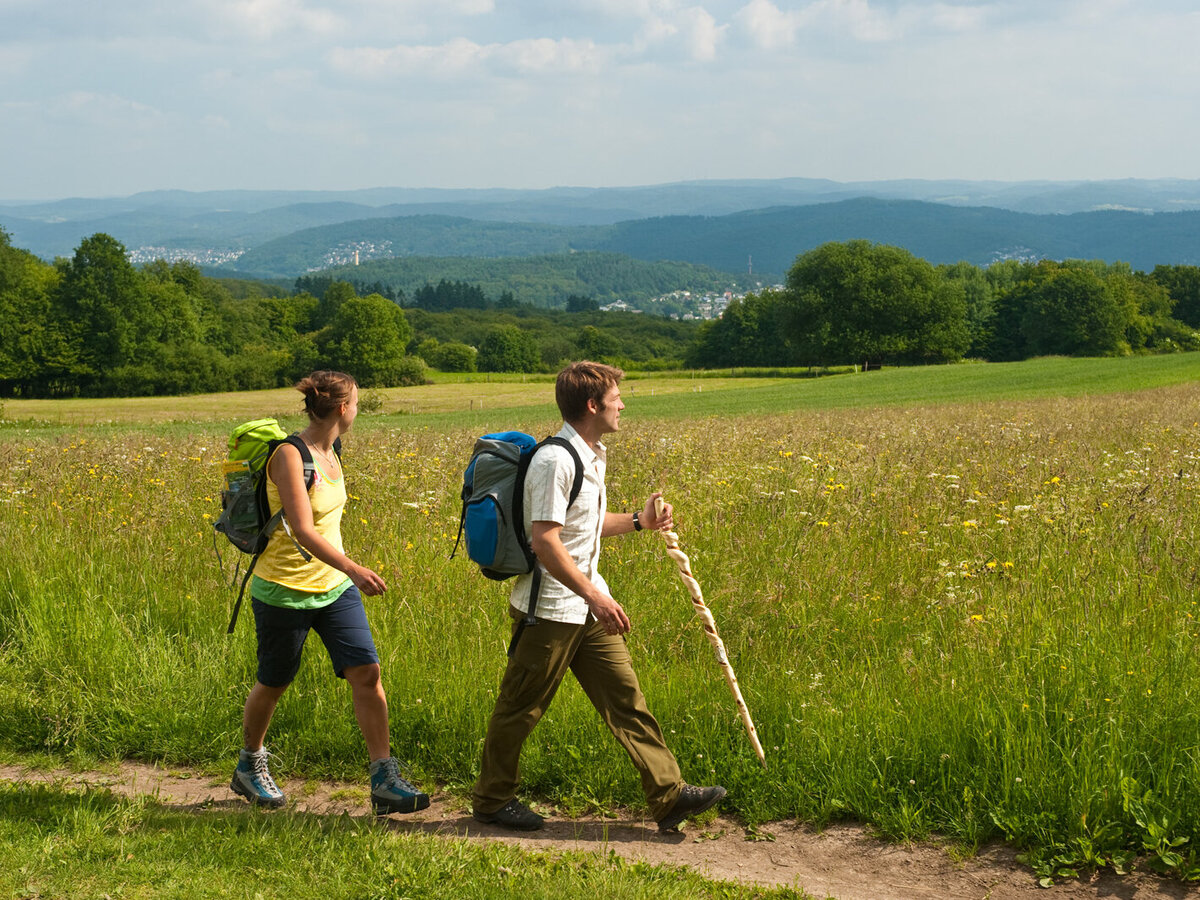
(577, 484)
(310, 472)
(519, 517)
(310, 476)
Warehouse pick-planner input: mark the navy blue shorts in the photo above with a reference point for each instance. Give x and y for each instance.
(342, 626)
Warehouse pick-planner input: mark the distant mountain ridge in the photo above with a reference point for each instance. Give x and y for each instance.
(239, 221)
(765, 240)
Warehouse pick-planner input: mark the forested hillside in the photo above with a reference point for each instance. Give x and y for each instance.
(97, 325)
(766, 239)
(436, 236)
(222, 222)
(545, 281)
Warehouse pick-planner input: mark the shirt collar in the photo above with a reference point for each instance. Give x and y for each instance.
(586, 453)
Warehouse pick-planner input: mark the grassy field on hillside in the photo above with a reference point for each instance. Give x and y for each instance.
(958, 599)
(475, 398)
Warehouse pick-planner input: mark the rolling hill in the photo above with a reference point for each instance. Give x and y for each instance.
(225, 223)
(770, 238)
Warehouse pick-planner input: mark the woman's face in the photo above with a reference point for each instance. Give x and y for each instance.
(350, 410)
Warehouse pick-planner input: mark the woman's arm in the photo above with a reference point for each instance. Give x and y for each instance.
(286, 470)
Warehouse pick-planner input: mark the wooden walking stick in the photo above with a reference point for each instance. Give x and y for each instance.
(671, 539)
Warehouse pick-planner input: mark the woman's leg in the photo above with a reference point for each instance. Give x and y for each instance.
(260, 706)
(347, 637)
(370, 708)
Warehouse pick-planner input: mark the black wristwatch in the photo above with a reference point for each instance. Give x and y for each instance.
(637, 521)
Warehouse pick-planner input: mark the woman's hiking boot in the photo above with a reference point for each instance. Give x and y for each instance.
(391, 792)
(252, 780)
(691, 802)
(514, 814)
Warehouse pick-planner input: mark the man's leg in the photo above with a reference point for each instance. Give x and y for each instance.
(530, 681)
(605, 672)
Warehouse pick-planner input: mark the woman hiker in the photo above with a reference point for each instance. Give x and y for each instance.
(291, 595)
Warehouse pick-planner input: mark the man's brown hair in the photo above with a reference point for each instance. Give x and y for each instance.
(583, 381)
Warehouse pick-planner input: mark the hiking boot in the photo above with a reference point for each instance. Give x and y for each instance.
(514, 814)
(252, 780)
(391, 792)
(691, 802)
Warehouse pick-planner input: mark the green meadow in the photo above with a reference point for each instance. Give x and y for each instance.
(960, 600)
(60, 843)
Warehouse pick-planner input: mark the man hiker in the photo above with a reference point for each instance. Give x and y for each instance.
(579, 626)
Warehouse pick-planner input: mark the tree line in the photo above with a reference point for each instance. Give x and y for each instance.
(856, 302)
(96, 325)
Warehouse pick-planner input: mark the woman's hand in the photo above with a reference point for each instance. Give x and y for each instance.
(366, 580)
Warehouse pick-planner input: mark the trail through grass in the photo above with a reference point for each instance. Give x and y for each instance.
(63, 843)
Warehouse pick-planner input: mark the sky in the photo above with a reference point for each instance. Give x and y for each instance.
(108, 99)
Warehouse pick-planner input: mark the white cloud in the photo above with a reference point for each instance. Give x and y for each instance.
(451, 59)
(592, 91)
(92, 109)
(771, 27)
(538, 55)
(703, 33)
(267, 18)
(688, 32)
(424, 7)
(461, 57)
(768, 25)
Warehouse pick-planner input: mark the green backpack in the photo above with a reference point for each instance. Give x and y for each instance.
(246, 518)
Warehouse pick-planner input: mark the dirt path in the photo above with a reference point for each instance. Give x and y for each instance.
(842, 862)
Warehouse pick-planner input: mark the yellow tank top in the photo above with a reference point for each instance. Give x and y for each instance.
(281, 562)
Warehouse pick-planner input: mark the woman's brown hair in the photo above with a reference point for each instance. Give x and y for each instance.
(325, 391)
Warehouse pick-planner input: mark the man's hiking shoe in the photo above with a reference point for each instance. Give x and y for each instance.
(391, 792)
(692, 801)
(252, 780)
(515, 815)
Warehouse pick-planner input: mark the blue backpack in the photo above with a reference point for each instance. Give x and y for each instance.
(493, 495)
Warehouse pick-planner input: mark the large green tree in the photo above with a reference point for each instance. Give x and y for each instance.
(751, 332)
(873, 303)
(367, 338)
(105, 299)
(1183, 285)
(1067, 309)
(507, 348)
(39, 348)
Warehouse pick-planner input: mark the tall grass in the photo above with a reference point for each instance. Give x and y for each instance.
(971, 618)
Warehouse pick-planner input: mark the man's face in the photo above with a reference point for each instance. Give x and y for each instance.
(608, 413)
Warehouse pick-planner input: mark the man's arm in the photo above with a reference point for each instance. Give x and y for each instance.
(622, 523)
(548, 547)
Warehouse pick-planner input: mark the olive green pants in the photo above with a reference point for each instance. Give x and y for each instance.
(601, 665)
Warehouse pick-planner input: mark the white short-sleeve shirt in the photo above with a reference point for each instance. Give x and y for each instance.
(547, 489)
